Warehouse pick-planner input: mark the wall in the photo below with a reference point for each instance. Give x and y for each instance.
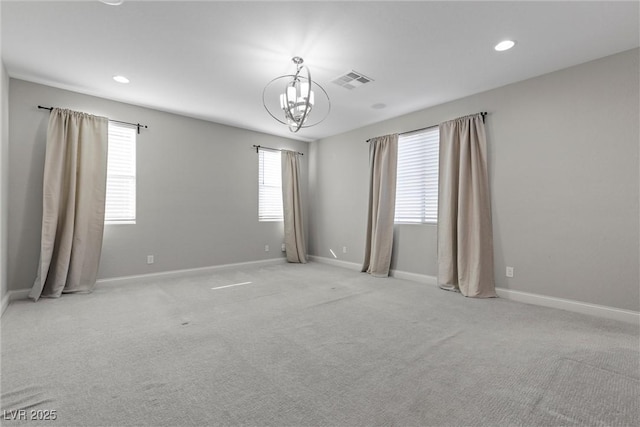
(4, 179)
(564, 166)
(197, 189)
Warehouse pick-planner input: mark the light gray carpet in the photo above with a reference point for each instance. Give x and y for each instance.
(312, 345)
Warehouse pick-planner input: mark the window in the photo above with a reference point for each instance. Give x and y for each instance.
(417, 177)
(269, 186)
(120, 206)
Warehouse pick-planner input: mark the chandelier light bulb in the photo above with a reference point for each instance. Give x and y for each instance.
(291, 94)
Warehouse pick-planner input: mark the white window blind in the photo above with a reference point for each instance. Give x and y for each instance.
(120, 206)
(417, 177)
(269, 186)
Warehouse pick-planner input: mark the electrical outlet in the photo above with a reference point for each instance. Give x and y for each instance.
(344, 249)
(266, 248)
(284, 248)
(149, 259)
(509, 271)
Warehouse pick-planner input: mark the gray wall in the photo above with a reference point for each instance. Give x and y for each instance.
(197, 189)
(563, 161)
(4, 176)
(564, 171)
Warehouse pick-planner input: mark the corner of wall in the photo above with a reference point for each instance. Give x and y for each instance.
(4, 177)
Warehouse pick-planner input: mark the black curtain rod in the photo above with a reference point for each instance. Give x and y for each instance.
(483, 113)
(137, 125)
(257, 147)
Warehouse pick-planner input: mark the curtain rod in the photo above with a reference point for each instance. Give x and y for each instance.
(257, 147)
(137, 125)
(483, 113)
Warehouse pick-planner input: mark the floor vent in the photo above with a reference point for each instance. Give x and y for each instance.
(352, 80)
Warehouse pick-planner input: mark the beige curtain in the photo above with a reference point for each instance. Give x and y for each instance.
(75, 174)
(383, 162)
(292, 208)
(465, 237)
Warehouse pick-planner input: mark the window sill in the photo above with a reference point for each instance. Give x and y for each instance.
(415, 223)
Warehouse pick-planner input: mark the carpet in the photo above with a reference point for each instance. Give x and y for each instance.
(311, 345)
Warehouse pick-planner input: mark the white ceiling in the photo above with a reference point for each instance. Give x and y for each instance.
(212, 59)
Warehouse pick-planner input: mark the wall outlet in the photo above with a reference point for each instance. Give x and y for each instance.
(344, 249)
(509, 272)
(266, 248)
(149, 259)
(284, 248)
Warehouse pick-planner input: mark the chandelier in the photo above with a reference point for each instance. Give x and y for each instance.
(296, 98)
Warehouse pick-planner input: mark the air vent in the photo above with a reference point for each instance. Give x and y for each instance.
(351, 80)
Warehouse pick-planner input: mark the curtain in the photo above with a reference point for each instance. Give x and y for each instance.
(292, 211)
(465, 237)
(74, 188)
(383, 162)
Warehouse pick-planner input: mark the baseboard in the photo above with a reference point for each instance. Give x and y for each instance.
(398, 274)
(19, 294)
(187, 272)
(14, 296)
(606, 312)
(5, 303)
(24, 293)
(602, 311)
(336, 262)
(414, 277)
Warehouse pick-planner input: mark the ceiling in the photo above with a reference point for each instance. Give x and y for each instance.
(211, 59)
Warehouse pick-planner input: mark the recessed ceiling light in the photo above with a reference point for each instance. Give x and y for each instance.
(113, 2)
(121, 79)
(504, 45)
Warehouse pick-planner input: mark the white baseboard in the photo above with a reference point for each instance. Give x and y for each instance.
(336, 262)
(13, 296)
(398, 274)
(414, 277)
(606, 312)
(5, 303)
(24, 293)
(187, 272)
(603, 311)
(19, 294)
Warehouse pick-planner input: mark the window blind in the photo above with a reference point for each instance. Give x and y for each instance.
(120, 206)
(269, 186)
(417, 177)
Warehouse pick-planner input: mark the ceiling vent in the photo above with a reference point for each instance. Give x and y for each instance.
(351, 80)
